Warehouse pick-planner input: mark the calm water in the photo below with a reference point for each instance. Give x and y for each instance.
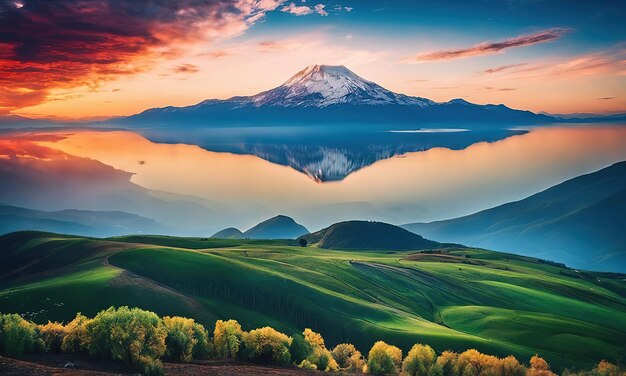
(245, 178)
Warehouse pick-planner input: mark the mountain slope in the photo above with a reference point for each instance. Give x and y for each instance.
(279, 227)
(368, 235)
(324, 85)
(323, 94)
(228, 233)
(76, 222)
(580, 222)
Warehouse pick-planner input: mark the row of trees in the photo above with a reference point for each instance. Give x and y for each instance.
(141, 339)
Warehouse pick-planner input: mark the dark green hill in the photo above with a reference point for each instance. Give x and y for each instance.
(368, 235)
(229, 233)
(279, 227)
(580, 222)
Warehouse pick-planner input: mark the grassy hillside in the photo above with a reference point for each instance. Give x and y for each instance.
(368, 235)
(452, 299)
(580, 222)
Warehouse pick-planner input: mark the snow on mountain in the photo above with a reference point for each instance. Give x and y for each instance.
(325, 85)
(331, 94)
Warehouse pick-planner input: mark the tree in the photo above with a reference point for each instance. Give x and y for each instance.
(320, 356)
(134, 336)
(185, 338)
(227, 338)
(447, 362)
(474, 363)
(419, 361)
(605, 368)
(203, 348)
(52, 335)
(300, 349)
(539, 367)
(384, 359)
(348, 357)
(76, 339)
(17, 336)
(509, 366)
(303, 242)
(267, 345)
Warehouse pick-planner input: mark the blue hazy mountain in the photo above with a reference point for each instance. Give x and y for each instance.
(580, 222)
(76, 222)
(322, 94)
(278, 227)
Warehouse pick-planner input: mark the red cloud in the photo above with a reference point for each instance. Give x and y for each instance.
(487, 48)
(67, 43)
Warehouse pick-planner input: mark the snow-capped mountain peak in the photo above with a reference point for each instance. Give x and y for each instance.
(324, 85)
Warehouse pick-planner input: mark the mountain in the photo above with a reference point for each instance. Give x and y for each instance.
(325, 85)
(580, 222)
(229, 233)
(355, 235)
(323, 94)
(75, 222)
(279, 227)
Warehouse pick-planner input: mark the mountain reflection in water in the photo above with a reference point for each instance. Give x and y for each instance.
(322, 153)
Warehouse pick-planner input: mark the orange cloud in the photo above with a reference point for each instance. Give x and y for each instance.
(609, 62)
(46, 45)
(488, 48)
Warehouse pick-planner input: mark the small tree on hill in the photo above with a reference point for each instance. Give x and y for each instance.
(267, 345)
(419, 361)
(447, 362)
(348, 357)
(185, 339)
(539, 367)
(52, 335)
(227, 338)
(300, 349)
(303, 242)
(76, 340)
(134, 336)
(384, 359)
(17, 336)
(320, 355)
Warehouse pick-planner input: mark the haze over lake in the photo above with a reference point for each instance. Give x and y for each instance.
(397, 185)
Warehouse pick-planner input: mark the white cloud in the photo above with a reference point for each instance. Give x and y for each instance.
(298, 10)
(319, 8)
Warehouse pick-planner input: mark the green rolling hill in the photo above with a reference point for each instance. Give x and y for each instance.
(580, 222)
(451, 299)
(361, 235)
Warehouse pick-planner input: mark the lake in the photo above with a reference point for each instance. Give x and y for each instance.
(242, 176)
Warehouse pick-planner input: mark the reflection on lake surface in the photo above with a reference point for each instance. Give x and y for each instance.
(324, 153)
(419, 186)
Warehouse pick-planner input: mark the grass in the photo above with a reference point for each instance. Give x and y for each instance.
(495, 302)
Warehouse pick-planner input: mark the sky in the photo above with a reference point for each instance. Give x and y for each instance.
(77, 59)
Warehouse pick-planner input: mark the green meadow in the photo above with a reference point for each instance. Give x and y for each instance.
(454, 299)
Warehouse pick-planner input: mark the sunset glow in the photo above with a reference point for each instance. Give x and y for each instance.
(528, 55)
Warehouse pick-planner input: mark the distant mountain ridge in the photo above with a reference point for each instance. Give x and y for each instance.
(330, 95)
(278, 227)
(364, 235)
(580, 222)
(76, 222)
